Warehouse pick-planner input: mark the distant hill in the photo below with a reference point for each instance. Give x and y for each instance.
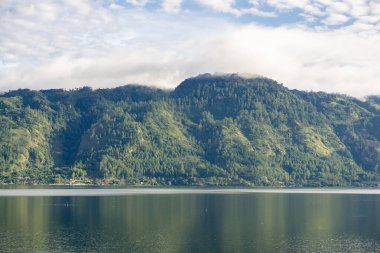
(210, 130)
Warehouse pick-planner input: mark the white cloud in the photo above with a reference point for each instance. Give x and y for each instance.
(171, 5)
(314, 10)
(340, 7)
(336, 19)
(302, 59)
(288, 4)
(257, 12)
(226, 6)
(139, 3)
(359, 7)
(229, 6)
(375, 8)
(105, 45)
(328, 12)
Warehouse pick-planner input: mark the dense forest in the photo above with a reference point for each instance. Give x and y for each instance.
(210, 130)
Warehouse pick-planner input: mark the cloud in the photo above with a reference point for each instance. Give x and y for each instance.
(226, 6)
(171, 5)
(336, 19)
(231, 7)
(328, 12)
(341, 7)
(288, 4)
(138, 3)
(257, 12)
(105, 44)
(375, 8)
(301, 58)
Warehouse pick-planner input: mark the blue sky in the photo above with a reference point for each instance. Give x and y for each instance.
(319, 45)
(322, 14)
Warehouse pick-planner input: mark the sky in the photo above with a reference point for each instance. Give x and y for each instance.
(313, 45)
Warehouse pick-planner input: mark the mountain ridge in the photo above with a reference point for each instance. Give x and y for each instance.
(209, 130)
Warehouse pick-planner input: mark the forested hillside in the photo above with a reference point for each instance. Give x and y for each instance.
(210, 130)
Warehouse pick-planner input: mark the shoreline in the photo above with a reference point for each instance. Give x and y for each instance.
(82, 192)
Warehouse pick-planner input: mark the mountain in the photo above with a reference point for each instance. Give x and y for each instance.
(210, 130)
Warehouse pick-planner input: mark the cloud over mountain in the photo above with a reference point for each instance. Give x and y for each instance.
(318, 45)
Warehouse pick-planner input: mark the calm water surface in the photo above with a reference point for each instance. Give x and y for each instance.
(181, 221)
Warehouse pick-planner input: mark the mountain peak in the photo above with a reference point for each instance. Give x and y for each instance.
(227, 76)
(223, 81)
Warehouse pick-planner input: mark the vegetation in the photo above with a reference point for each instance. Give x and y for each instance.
(210, 130)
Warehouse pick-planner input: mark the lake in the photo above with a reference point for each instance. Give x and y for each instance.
(189, 220)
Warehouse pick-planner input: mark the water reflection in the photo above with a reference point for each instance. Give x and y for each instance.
(258, 222)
